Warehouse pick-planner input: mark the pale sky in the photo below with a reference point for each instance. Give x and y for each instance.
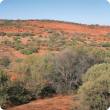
(78, 11)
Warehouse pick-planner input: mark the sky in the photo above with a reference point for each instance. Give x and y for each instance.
(78, 11)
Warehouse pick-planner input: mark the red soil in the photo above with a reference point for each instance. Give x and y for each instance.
(55, 103)
(71, 28)
(59, 102)
(1, 21)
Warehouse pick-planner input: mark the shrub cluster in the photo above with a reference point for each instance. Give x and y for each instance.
(18, 47)
(29, 50)
(20, 91)
(20, 34)
(2, 34)
(95, 91)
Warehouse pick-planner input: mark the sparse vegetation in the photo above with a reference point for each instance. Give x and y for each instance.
(74, 63)
(29, 50)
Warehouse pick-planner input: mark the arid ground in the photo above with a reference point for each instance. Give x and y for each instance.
(77, 32)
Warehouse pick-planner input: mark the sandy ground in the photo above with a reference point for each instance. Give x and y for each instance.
(55, 103)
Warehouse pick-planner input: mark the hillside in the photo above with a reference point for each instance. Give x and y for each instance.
(31, 49)
(43, 29)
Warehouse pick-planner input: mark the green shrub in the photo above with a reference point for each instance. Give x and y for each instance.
(22, 51)
(12, 46)
(91, 26)
(2, 34)
(30, 28)
(50, 31)
(14, 38)
(33, 49)
(95, 91)
(28, 40)
(107, 44)
(107, 60)
(45, 30)
(29, 50)
(13, 34)
(45, 36)
(31, 37)
(57, 48)
(26, 34)
(62, 32)
(99, 54)
(18, 47)
(49, 48)
(40, 35)
(4, 84)
(28, 85)
(18, 41)
(80, 49)
(5, 61)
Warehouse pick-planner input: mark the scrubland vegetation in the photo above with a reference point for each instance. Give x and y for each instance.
(74, 69)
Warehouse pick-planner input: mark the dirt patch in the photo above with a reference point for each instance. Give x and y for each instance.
(55, 103)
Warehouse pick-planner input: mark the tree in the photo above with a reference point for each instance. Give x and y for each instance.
(67, 69)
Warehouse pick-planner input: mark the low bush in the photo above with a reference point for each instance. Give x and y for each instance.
(2, 34)
(99, 54)
(29, 50)
(13, 34)
(50, 31)
(27, 34)
(5, 61)
(107, 44)
(95, 91)
(40, 35)
(4, 84)
(18, 47)
(57, 48)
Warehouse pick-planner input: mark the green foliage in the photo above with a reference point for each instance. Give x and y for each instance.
(4, 84)
(28, 40)
(13, 34)
(45, 30)
(7, 23)
(95, 91)
(20, 34)
(29, 84)
(57, 48)
(18, 47)
(25, 51)
(49, 48)
(107, 44)
(29, 50)
(18, 41)
(33, 49)
(2, 34)
(5, 41)
(16, 38)
(91, 26)
(50, 31)
(80, 49)
(31, 28)
(5, 61)
(26, 34)
(99, 54)
(40, 35)
(62, 32)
